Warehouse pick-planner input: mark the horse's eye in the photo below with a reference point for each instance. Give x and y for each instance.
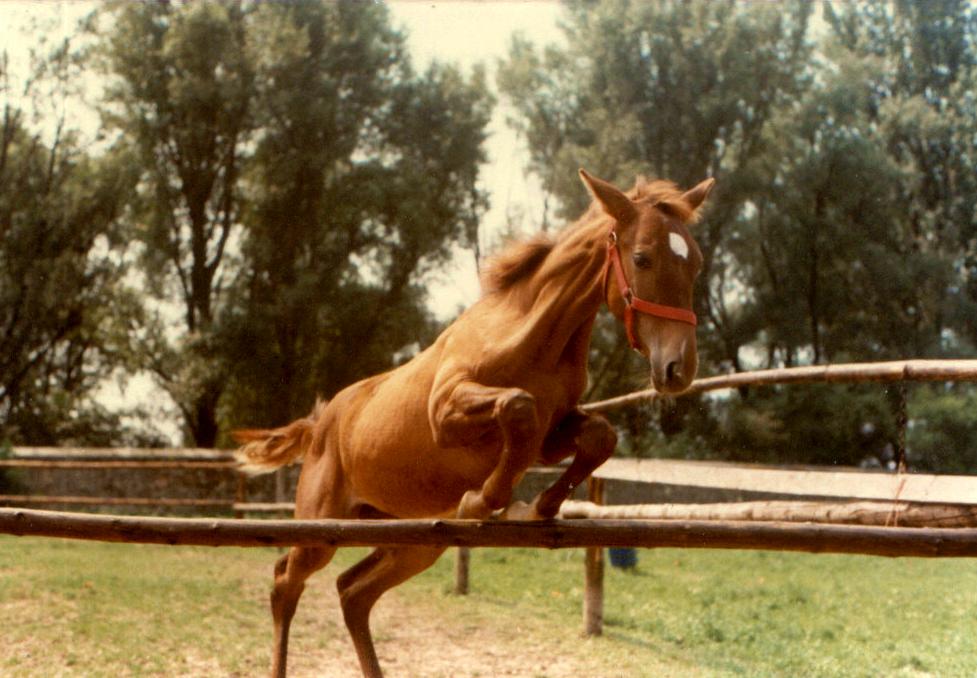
(641, 260)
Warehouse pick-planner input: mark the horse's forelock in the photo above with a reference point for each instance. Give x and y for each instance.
(665, 195)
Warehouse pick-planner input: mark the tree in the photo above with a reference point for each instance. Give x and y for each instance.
(843, 223)
(64, 307)
(682, 90)
(297, 181)
(926, 112)
(180, 98)
(364, 174)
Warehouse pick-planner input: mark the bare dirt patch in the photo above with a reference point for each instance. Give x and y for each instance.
(422, 640)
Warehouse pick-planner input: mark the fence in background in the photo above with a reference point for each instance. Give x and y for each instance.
(894, 496)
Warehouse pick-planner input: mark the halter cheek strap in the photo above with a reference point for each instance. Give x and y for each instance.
(635, 304)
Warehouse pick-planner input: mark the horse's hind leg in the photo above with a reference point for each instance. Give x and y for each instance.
(362, 585)
(291, 571)
(320, 494)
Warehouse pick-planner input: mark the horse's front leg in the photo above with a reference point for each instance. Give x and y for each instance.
(469, 413)
(591, 440)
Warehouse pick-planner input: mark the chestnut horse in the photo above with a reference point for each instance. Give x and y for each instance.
(451, 432)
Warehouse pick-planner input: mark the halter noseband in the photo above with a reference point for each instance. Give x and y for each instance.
(634, 303)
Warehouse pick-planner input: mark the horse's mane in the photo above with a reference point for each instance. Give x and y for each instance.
(515, 262)
(521, 258)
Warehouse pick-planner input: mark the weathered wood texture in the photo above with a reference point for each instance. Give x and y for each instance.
(110, 464)
(809, 482)
(463, 560)
(901, 370)
(121, 454)
(115, 501)
(895, 514)
(593, 596)
(806, 537)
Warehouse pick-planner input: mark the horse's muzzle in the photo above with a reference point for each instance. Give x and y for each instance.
(672, 374)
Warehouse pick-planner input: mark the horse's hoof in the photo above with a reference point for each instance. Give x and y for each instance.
(472, 505)
(520, 510)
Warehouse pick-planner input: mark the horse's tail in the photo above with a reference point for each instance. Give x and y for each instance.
(264, 450)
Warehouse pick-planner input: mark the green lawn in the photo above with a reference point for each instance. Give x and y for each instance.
(89, 609)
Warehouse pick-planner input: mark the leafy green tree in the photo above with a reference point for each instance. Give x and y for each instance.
(681, 90)
(364, 174)
(63, 302)
(842, 226)
(828, 256)
(942, 436)
(926, 113)
(297, 181)
(179, 96)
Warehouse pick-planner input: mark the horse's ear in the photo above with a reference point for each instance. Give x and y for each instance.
(694, 197)
(614, 202)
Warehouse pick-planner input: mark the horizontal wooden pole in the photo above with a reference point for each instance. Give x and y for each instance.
(879, 541)
(265, 507)
(883, 372)
(882, 513)
(112, 501)
(121, 454)
(105, 464)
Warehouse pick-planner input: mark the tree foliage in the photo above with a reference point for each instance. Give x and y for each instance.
(279, 180)
(297, 179)
(364, 173)
(843, 223)
(64, 307)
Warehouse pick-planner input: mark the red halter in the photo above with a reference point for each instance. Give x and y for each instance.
(635, 304)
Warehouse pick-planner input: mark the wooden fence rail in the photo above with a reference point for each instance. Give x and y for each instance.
(810, 538)
(154, 502)
(879, 513)
(95, 464)
(883, 372)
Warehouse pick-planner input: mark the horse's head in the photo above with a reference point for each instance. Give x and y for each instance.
(653, 262)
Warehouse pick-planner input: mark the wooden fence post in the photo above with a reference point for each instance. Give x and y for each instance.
(462, 561)
(593, 596)
(280, 482)
(240, 493)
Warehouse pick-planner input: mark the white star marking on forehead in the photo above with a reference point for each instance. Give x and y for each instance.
(678, 244)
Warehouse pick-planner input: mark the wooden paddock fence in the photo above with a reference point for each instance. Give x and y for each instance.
(552, 534)
(887, 514)
(881, 372)
(166, 459)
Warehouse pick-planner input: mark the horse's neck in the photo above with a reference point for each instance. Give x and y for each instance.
(561, 300)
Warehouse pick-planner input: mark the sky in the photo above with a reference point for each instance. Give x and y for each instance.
(461, 32)
(467, 33)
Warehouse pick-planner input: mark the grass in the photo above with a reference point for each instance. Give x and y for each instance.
(90, 609)
(762, 613)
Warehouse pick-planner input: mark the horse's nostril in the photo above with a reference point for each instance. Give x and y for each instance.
(673, 372)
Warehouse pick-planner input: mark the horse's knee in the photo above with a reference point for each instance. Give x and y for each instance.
(516, 412)
(597, 438)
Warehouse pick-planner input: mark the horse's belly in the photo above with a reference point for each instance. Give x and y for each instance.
(412, 481)
(392, 462)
